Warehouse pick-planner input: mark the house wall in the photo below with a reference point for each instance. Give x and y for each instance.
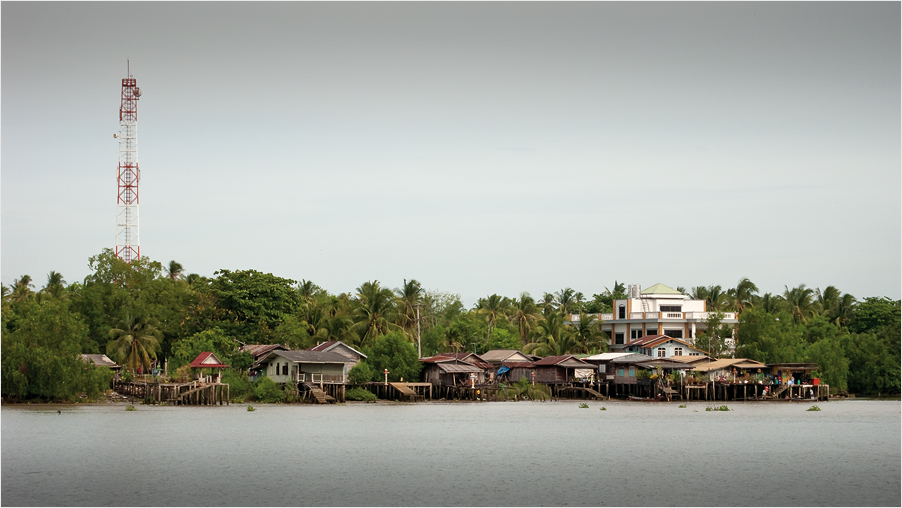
(625, 377)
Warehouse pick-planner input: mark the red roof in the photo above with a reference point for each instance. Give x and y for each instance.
(208, 360)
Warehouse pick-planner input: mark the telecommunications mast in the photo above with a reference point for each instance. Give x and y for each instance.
(128, 246)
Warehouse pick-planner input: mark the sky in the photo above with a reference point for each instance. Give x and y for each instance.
(479, 148)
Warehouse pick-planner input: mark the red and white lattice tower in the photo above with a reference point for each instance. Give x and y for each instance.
(128, 246)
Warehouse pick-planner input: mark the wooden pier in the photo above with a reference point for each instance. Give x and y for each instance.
(194, 393)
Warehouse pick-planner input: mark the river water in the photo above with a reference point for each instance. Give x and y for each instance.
(459, 454)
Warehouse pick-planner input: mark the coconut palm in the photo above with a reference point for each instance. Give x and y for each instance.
(716, 300)
(524, 314)
(699, 293)
(827, 300)
(492, 308)
(21, 289)
(551, 337)
(307, 289)
(174, 270)
(799, 302)
(842, 312)
(742, 295)
(547, 303)
(374, 312)
(588, 334)
(565, 302)
(135, 344)
(769, 303)
(55, 285)
(409, 297)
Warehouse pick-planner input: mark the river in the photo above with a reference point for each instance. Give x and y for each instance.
(454, 454)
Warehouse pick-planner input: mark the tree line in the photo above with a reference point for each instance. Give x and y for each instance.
(143, 312)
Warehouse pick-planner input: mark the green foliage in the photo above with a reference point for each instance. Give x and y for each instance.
(833, 366)
(130, 408)
(251, 408)
(873, 313)
(266, 390)
(362, 373)
(213, 340)
(255, 303)
(293, 334)
(503, 339)
(240, 387)
(770, 338)
(583, 405)
(41, 348)
(360, 394)
(813, 408)
(395, 353)
(718, 408)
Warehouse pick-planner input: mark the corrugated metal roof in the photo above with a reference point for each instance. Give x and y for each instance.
(332, 344)
(309, 357)
(633, 358)
(258, 350)
(99, 360)
(606, 356)
(501, 355)
(458, 368)
(563, 361)
(725, 363)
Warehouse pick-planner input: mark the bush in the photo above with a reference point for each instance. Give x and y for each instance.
(240, 387)
(360, 394)
(266, 390)
(362, 373)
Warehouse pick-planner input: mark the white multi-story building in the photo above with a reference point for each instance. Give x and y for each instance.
(658, 310)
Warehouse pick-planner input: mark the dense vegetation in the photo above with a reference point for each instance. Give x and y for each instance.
(144, 312)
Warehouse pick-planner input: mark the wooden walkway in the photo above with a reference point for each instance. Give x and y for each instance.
(177, 394)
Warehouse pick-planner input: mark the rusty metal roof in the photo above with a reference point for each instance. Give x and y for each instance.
(258, 350)
(563, 361)
(99, 360)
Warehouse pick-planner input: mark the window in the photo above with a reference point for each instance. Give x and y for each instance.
(632, 371)
(677, 351)
(618, 338)
(662, 352)
(635, 334)
(622, 312)
(671, 308)
(676, 334)
(651, 331)
(620, 372)
(602, 368)
(285, 370)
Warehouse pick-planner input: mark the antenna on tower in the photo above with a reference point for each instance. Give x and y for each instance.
(127, 240)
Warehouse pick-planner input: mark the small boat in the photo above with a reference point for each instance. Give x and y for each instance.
(646, 399)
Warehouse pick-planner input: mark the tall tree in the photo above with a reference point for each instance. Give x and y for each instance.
(410, 297)
(588, 335)
(492, 308)
(374, 313)
(135, 343)
(799, 302)
(552, 337)
(174, 271)
(524, 315)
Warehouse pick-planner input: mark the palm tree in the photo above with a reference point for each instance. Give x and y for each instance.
(843, 310)
(55, 285)
(374, 313)
(699, 293)
(551, 337)
(307, 290)
(492, 308)
(135, 344)
(799, 302)
(410, 296)
(21, 288)
(547, 303)
(742, 295)
(174, 270)
(525, 314)
(769, 303)
(716, 299)
(564, 299)
(588, 334)
(827, 300)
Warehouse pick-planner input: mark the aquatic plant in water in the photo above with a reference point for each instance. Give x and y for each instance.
(130, 408)
(604, 408)
(682, 405)
(251, 408)
(813, 408)
(718, 408)
(583, 405)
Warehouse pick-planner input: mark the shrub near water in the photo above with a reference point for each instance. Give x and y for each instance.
(266, 390)
(360, 394)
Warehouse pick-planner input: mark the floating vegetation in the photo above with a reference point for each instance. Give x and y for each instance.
(604, 408)
(813, 408)
(583, 405)
(251, 408)
(718, 408)
(130, 408)
(682, 405)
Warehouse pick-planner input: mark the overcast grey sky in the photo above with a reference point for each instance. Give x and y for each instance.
(478, 148)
